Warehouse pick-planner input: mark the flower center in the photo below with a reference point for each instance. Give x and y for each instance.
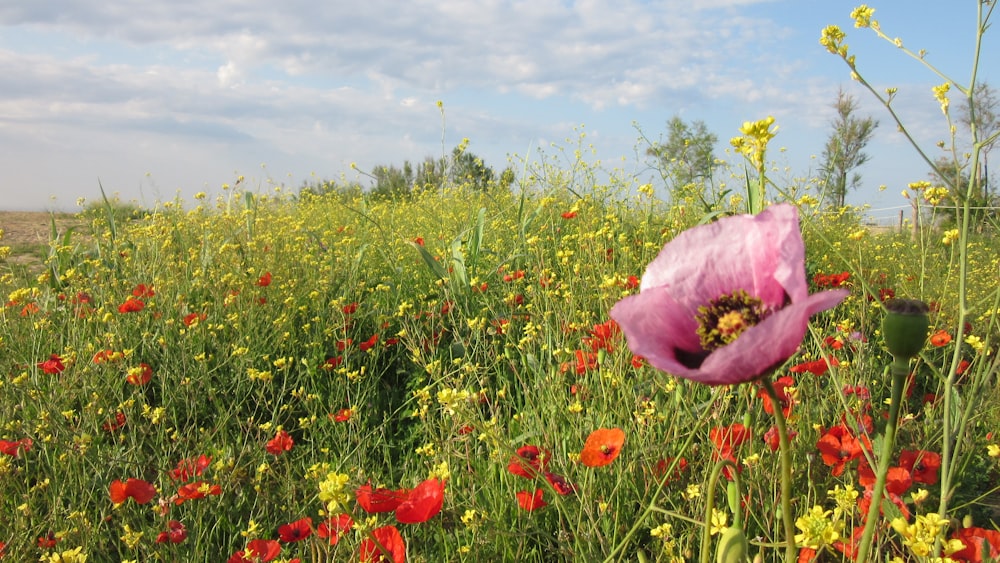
(726, 317)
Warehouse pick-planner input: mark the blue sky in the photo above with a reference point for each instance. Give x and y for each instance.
(165, 97)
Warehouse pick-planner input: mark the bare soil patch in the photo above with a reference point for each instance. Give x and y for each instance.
(28, 233)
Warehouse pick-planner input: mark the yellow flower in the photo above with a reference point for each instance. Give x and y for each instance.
(862, 16)
(941, 95)
(756, 136)
(993, 450)
(719, 521)
(949, 237)
(832, 37)
(817, 528)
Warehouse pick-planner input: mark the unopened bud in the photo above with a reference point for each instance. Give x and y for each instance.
(732, 546)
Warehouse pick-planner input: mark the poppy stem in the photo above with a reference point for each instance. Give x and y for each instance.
(706, 534)
(786, 470)
(899, 370)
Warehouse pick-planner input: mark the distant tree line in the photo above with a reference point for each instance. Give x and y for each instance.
(462, 167)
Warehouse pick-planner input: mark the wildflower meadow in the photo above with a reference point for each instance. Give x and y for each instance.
(572, 367)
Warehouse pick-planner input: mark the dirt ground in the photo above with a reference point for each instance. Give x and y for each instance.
(27, 233)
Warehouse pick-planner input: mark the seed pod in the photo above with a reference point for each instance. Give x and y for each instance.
(732, 546)
(904, 327)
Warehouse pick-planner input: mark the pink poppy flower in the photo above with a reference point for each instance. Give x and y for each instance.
(726, 302)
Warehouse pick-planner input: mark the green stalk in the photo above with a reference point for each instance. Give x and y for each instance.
(713, 479)
(900, 369)
(786, 471)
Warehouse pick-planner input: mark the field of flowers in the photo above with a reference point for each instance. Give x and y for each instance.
(568, 370)
(318, 378)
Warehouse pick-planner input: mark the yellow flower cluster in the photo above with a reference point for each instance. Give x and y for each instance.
(756, 136)
(921, 536)
(862, 16)
(818, 529)
(333, 492)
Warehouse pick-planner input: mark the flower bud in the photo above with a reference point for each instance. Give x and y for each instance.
(904, 327)
(732, 546)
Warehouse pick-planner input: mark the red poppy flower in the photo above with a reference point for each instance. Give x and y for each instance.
(295, 531)
(264, 280)
(979, 544)
(140, 375)
(865, 502)
(48, 541)
(839, 447)
(729, 437)
(335, 527)
(53, 365)
(940, 338)
(815, 367)
(898, 480)
(773, 440)
(29, 309)
(176, 533)
(660, 470)
(529, 461)
(780, 387)
(390, 539)
(196, 490)
(281, 443)
(560, 484)
(922, 464)
(569, 215)
(191, 467)
(368, 344)
(332, 362)
(423, 502)
(585, 361)
(138, 490)
(374, 501)
(192, 319)
(257, 551)
(105, 356)
(602, 447)
(343, 415)
(419, 241)
(603, 336)
(131, 305)
(15, 448)
(143, 290)
(350, 308)
(531, 501)
(116, 423)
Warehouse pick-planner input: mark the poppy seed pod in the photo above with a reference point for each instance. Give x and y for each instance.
(732, 546)
(904, 327)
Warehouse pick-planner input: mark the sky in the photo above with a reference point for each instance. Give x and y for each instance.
(159, 99)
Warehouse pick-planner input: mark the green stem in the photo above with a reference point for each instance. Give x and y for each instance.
(786, 470)
(900, 370)
(706, 533)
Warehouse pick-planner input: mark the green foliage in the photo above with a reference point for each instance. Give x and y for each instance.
(844, 150)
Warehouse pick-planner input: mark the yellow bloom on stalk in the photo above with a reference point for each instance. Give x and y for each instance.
(756, 136)
(846, 497)
(941, 95)
(935, 195)
(949, 237)
(75, 555)
(858, 235)
(332, 492)
(922, 534)
(993, 450)
(862, 16)
(817, 528)
(832, 37)
(975, 342)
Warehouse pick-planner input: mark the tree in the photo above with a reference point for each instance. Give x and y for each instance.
(982, 112)
(844, 150)
(687, 156)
